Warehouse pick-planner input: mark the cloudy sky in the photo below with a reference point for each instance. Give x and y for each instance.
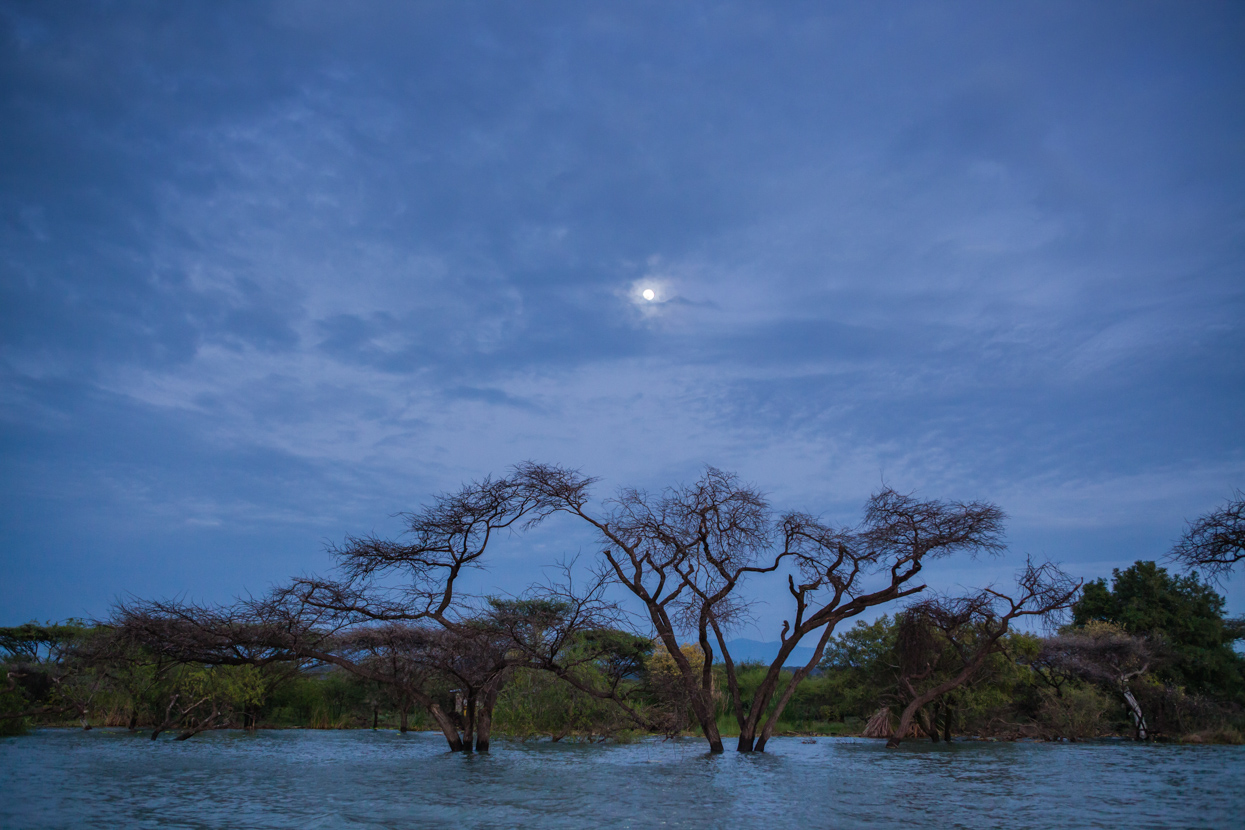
(271, 272)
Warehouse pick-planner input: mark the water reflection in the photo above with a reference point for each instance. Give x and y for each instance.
(363, 779)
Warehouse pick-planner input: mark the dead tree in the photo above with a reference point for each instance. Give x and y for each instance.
(686, 553)
(1214, 543)
(1105, 654)
(944, 642)
(383, 585)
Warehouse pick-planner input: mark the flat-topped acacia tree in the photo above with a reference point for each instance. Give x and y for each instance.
(688, 552)
(409, 586)
(391, 612)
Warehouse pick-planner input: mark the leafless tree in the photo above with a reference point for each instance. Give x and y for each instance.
(392, 613)
(1105, 654)
(1215, 543)
(943, 642)
(398, 601)
(686, 552)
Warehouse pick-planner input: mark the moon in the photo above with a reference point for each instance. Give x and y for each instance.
(648, 293)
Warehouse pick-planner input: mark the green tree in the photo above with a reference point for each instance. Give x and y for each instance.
(1182, 612)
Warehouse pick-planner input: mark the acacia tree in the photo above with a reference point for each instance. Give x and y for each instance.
(579, 637)
(51, 670)
(210, 661)
(1215, 543)
(943, 642)
(686, 553)
(1106, 654)
(413, 581)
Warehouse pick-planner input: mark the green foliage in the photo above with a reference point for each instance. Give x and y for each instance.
(11, 701)
(1076, 712)
(858, 669)
(35, 643)
(535, 704)
(1181, 611)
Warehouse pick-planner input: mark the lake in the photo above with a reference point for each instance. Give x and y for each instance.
(60, 778)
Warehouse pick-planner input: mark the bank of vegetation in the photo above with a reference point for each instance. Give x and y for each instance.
(388, 641)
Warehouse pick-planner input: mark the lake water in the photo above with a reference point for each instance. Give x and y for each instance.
(56, 778)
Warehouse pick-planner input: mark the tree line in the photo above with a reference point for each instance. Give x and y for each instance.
(390, 630)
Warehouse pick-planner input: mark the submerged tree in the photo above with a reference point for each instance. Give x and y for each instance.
(408, 589)
(687, 552)
(210, 663)
(943, 642)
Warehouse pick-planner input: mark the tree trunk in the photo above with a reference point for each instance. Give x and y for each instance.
(765, 692)
(947, 714)
(375, 717)
(748, 729)
(199, 727)
(469, 722)
(484, 728)
(702, 707)
(484, 716)
(133, 721)
(1134, 710)
(447, 728)
(402, 723)
(909, 712)
(929, 722)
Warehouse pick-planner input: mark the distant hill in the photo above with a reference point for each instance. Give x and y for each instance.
(755, 651)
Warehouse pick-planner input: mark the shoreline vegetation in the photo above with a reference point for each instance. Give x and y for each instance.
(388, 638)
(1012, 700)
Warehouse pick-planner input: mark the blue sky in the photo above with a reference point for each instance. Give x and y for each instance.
(271, 272)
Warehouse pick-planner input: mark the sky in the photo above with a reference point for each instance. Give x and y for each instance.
(272, 272)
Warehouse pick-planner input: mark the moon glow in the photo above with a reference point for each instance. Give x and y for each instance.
(648, 294)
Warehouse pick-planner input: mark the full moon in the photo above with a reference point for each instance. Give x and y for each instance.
(648, 294)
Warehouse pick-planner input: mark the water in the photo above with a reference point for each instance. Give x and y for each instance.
(360, 779)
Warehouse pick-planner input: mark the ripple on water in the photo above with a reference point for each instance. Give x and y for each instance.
(363, 779)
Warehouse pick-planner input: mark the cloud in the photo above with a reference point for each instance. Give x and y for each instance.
(275, 265)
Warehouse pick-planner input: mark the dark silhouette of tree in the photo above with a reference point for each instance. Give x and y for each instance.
(1214, 543)
(685, 554)
(943, 642)
(409, 587)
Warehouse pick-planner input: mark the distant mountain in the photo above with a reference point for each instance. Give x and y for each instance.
(755, 651)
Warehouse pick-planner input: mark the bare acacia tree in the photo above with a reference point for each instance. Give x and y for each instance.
(1105, 654)
(686, 552)
(1215, 542)
(943, 642)
(414, 582)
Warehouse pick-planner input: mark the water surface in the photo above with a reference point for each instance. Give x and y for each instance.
(361, 779)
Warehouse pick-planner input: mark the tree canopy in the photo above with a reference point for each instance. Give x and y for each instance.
(1184, 613)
